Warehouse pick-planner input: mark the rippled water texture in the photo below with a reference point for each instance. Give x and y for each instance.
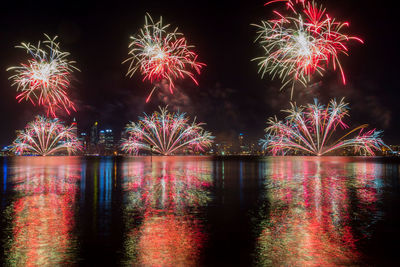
(191, 211)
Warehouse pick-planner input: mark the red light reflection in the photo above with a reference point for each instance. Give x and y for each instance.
(42, 215)
(166, 192)
(309, 221)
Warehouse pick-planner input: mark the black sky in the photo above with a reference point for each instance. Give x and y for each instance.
(231, 97)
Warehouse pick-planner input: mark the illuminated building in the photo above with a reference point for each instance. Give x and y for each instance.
(94, 134)
(102, 137)
(94, 139)
(243, 148)
(84, 139)
(223, 148)
(106, 142)
(241, 137)
(75, 124)
(5, 151)
(109, 141)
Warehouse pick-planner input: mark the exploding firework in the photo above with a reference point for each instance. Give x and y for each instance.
(310, 130)
(298, 46)
(45, 77)
(165, 133)
(45, 137)
(161, 56)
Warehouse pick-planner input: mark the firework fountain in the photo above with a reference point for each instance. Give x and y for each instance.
(310, 129)
(44, 137)
(165, 133)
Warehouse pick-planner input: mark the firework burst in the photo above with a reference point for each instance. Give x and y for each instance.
(44, 137)
(45, 77)
(165, 133)
(310, 130)
(161, 55)
(298, 46)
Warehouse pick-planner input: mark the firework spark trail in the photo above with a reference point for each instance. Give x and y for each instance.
(45, 136)
(161, 55)
(45, 77)
(165, 133)
(309, 129)
(298, 46)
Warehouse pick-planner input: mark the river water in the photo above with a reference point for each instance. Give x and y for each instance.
(199, 211)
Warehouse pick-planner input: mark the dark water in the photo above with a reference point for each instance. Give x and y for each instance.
(184, 211)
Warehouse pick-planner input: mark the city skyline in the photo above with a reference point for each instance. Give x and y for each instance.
(229, 85)
(199, 133)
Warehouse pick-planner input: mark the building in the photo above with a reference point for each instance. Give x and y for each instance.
(109, 142)
(102, 137)
(6, 151)
(241, 139)
(84, 139)
(106, 142)
(94, 134)
(223, 148)
(243, 148)
(75, 127)
(94, 139)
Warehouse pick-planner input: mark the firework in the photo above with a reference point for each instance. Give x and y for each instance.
(310, 129)
(165, 133)
(45, 77)
(298, 46)
(45, 137)
(161, 55)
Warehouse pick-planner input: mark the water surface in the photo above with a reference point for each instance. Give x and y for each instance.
(191, 211)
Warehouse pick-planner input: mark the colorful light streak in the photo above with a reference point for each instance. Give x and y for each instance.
(169, 240)
(45, 77)
(42, 216)
(310, 128)
(302, 44)
(44, 137)
(164, 195)
(165, 133)
(161, 55)
(169, 186)
(309, 219)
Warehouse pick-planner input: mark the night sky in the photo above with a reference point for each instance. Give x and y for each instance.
(231, 97)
